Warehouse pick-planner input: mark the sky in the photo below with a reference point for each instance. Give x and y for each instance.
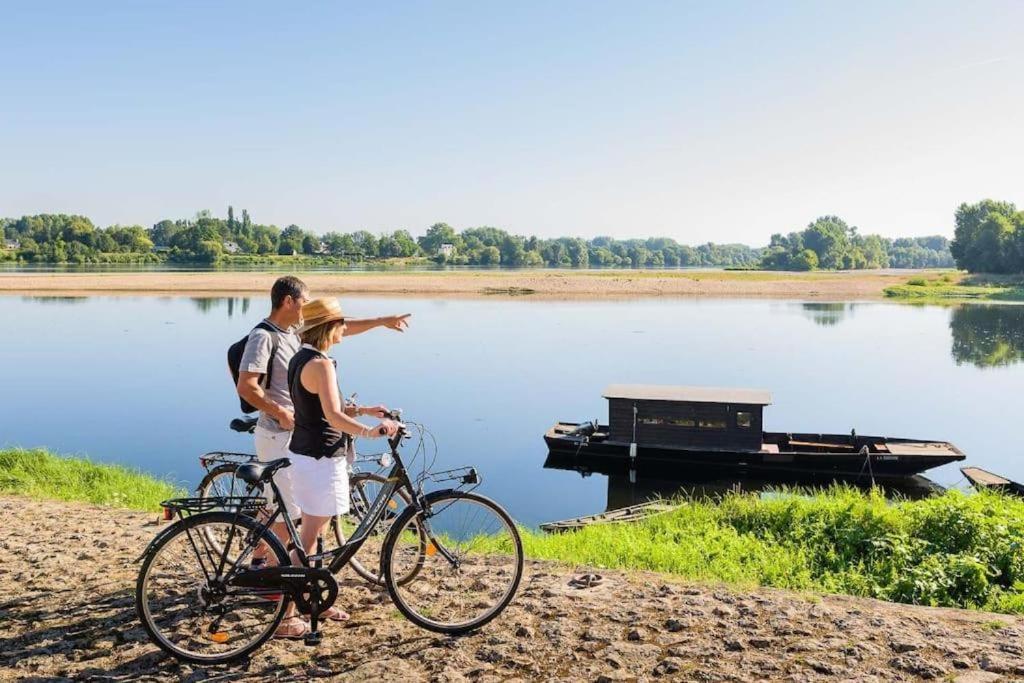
(716, 121)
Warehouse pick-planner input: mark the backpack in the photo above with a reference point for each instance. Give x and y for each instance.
(235, 352)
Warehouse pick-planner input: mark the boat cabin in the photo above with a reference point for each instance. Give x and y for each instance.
(650, 414)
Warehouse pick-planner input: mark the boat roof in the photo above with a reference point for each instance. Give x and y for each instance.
(667, 392)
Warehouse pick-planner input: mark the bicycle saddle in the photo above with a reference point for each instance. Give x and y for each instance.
(257, 473)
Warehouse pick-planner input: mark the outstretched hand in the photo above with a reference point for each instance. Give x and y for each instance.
(398, 323)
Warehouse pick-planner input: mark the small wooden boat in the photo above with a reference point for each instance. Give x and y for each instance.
(632, 513)
(982, 479)
(719, 430)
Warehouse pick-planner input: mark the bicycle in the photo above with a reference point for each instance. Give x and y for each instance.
(220, 481)
(203, 602)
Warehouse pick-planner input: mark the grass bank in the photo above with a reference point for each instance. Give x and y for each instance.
(954, 550)
(41, 474)
(951, 285)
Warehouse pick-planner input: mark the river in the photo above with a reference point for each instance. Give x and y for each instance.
(143, 381)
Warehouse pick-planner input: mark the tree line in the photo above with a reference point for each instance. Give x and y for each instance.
(989, 237)
(827, 243)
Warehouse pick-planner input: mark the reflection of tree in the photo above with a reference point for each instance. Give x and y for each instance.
(207, 304)
(55, 299)
(827, 314)
(987, 336)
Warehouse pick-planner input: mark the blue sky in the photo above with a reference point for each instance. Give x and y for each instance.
(718, 121)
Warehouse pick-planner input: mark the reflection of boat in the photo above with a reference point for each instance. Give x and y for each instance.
(983, 479)
(719, 430)
(661, 481)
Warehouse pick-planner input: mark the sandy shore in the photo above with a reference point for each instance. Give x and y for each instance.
(67, 613)
(537, 284)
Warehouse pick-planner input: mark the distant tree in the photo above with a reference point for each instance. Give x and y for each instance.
(436, 235)
(989, 237)
(806, 260)
(490, 256)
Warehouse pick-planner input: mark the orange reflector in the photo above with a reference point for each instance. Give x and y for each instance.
(168, 514)
(219, 637)
(393, 504)
(431, 549)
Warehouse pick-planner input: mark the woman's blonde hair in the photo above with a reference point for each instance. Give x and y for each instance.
(320, 336)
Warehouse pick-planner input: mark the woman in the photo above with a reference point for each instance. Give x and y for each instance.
(322, 438)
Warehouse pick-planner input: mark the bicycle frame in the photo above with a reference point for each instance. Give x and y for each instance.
(397, 478)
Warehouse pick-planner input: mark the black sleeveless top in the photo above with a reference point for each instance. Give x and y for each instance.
(313, 435)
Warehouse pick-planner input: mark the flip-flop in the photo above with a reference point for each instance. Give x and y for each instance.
(284, 634)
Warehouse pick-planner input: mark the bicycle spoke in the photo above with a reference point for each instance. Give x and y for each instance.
(469, 570)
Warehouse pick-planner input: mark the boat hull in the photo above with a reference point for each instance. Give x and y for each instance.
(847, 464)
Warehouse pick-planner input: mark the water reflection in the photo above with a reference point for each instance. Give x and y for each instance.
(234, 305)
(827, 314)
(651, 483)
(56, 299)
(987, 336)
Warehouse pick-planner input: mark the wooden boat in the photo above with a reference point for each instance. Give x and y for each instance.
(982, 479)
(717, 430)
(631, 513)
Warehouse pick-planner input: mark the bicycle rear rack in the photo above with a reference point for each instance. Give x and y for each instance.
(225, 458)
(184, 507)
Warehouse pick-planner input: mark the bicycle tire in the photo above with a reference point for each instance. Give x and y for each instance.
(436, 499)
(224, 470)
(180, 527)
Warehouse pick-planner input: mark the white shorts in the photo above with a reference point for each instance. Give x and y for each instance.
(320, 486)
(271, 446)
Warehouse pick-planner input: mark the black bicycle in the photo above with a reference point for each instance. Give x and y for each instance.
(200, 598)
(220, 482)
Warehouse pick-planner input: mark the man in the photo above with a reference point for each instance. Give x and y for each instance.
(276, 420)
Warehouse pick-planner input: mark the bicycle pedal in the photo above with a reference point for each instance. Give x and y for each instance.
(313, 639)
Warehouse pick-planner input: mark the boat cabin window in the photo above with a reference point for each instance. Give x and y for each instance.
(651, 421)
(743, 420)
(711, 423)
(684, 422)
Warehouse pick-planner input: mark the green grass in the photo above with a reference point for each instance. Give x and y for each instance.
(40, 474)
(954, 286)
(953, 550)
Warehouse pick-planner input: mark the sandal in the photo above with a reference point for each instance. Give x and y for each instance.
(292, 628)
(335, 614)
(587, 581)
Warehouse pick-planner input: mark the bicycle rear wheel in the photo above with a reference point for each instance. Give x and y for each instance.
(220, 482)
(470, 569)
(184, 597)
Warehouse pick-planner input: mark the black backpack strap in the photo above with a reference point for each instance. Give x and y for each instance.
(264, 325)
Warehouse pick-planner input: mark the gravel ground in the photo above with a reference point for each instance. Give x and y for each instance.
(67, 612)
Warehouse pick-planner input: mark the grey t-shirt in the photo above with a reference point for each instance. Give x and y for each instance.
(254, 359)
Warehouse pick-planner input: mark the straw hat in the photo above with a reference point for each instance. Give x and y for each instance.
(320, 311)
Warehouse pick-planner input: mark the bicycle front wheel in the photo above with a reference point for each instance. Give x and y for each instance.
(184, 597)
(470, 569)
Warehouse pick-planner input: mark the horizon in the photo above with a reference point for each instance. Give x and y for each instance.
(722, 124)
